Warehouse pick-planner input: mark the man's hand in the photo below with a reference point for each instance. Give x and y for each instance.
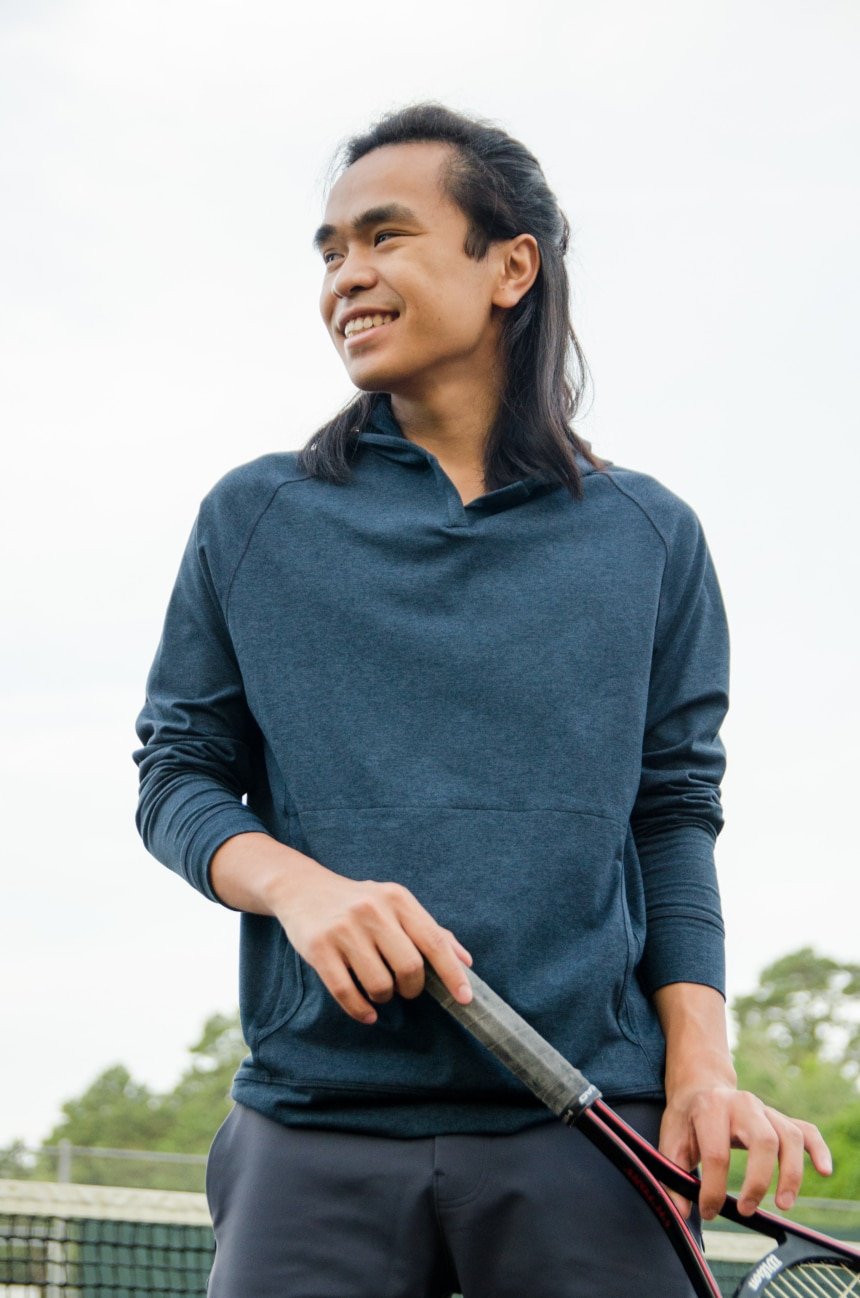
(378, 932)
(702, 1124)
(706, 1115)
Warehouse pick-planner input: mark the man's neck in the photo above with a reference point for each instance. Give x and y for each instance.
(451, 423)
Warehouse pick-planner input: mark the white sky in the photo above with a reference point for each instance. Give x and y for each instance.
(162, 168)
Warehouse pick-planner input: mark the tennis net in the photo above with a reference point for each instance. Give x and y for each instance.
(87, 1241)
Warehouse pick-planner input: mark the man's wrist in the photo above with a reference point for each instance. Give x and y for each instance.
(290, 874)
(254, 872)
(697, 1050)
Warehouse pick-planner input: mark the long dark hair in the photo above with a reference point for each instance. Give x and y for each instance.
(500, 187)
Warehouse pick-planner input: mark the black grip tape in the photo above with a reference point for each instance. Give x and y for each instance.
(546, 1073)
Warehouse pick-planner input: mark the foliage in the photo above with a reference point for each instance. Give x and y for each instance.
(806, 1006)
(798, 1048)
(117, 1112)
(843, 1136)
(16, 1162)
(201, 1099)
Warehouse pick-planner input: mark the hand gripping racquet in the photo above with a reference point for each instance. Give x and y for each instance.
(804, 1264)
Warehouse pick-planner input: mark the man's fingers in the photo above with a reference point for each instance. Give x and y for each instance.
(675, 1144)
(437, 946)
(412, 936)
(816, 1146)
(464, 955)
(407, 961)
(374, 938)
(712, 1122)
(757, 1134)
(712, 1129)
(404, 959)
(683, 1205)
(337, 978)
(435, 943)
(808, 1138)
(791, 1146)
(373, 973)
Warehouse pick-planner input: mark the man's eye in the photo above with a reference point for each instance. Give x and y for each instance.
(326, 256)
(386, 234)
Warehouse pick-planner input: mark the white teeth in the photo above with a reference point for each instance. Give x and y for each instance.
(366, 322)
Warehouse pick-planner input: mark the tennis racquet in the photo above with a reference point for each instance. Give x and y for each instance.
(804, 1264)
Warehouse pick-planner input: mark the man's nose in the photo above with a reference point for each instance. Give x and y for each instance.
(354, 271)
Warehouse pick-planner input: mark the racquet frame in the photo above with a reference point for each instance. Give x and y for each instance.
(573, 1099)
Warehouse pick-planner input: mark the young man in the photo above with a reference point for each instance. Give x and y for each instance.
(471, 680)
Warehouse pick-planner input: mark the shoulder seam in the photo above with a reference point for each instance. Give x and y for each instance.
(624, 492)
(249, 538)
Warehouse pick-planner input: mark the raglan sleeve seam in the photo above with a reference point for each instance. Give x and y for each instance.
(677, 814)
(246, 545)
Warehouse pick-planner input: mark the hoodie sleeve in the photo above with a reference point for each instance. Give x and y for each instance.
(677, 814)
(197, 732)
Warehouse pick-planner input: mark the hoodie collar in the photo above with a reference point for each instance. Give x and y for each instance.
(385, 434)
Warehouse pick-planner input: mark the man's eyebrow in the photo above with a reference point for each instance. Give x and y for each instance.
(373, 216)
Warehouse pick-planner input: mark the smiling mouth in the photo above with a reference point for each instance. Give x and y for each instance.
(363, 326)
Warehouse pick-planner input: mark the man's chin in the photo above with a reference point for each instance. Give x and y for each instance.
(371, 378)
(378, 380)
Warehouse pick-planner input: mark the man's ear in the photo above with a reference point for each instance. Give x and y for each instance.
(519, 263)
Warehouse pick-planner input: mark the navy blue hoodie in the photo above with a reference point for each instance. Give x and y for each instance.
(511, 707)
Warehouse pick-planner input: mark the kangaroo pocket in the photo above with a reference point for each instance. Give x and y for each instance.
(536, 895)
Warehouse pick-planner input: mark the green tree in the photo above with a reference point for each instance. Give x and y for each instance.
(16, 1162)
(806, 1006)
(843, 1135)
(118, 1112)
(201, 1099)
(114, 1111)
(798, 1048)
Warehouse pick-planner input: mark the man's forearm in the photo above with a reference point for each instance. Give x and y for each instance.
(346, 929)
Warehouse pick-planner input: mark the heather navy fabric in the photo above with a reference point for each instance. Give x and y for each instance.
(511, 707)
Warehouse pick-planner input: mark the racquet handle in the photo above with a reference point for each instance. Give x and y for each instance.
(560, 1086)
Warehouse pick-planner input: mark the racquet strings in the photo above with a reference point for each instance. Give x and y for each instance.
(815, 1280)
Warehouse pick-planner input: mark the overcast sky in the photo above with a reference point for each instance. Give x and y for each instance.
(162, 173)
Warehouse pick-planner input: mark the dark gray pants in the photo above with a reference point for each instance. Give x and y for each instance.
(305, 1213)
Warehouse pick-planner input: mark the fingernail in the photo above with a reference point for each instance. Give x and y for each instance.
(786, 1201)
(464, 993)
(368, 1018)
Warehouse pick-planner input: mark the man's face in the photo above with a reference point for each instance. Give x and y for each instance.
(392, 246)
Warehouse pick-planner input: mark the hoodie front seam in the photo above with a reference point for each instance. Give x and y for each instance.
(457, 806)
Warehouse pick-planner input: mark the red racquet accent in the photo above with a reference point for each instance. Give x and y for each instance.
(805, 1262)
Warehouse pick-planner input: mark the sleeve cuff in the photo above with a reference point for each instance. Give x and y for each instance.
(687, 951)
(223, 823)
